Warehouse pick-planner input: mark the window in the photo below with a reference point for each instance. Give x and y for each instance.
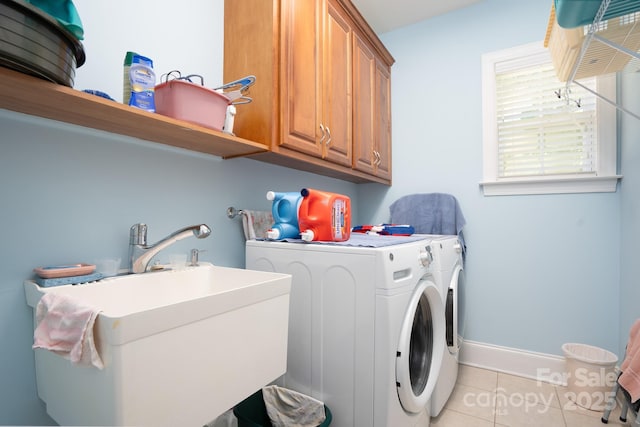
(539, 139)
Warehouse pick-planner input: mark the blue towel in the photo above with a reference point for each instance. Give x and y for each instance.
(430, 213)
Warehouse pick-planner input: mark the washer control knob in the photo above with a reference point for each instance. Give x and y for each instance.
(425, 256)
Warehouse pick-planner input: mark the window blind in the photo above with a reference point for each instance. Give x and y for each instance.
(538, 134)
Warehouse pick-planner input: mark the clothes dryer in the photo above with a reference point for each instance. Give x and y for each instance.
(448, 271)
(366, 327)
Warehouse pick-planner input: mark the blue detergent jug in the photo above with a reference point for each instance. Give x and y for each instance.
(284, 209)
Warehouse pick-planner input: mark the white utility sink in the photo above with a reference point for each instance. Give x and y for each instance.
(179, 347)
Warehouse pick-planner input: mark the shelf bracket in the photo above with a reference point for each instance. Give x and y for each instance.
(616, 46)
(587, 40)
(607, 100)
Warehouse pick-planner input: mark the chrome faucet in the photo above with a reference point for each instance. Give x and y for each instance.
(140, 253)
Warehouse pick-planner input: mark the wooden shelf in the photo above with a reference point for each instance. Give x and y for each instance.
(30, 95)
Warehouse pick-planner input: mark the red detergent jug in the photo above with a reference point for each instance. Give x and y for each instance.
(324, 216)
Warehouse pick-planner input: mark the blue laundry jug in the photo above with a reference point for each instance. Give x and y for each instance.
(284, 209)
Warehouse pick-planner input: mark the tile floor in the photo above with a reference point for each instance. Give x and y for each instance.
(484, 398)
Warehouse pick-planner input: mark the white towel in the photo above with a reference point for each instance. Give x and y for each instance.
(288, 408)
(65, 326)
(256, 224)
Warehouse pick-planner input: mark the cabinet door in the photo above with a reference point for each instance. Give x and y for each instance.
(301, 74)
(382, 120)
(364, 158)
(336, 116)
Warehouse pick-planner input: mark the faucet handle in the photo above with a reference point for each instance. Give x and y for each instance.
(138, 234)
(194, 256)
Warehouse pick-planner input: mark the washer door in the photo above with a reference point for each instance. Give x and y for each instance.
(454, 310)
(421, 347)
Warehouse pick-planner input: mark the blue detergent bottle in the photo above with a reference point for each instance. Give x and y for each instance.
(284, 209)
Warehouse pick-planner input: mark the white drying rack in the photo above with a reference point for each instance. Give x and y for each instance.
(583, 61)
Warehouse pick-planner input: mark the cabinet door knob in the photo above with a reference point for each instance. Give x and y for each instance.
(328, 141)
(323, 133)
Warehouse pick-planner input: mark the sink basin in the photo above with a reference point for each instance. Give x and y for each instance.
(179, 347)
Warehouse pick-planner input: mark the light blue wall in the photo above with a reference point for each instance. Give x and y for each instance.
(541, 270)
(70, 194)
(630, 206)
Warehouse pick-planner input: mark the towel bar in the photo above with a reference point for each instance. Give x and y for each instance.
(233, 212)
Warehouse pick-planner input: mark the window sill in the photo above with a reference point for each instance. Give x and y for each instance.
(512, 187)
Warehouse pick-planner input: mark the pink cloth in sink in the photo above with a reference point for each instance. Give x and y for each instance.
(65, 326)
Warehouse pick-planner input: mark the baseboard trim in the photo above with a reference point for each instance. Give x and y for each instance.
(539, 366)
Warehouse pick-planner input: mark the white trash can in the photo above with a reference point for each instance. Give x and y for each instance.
(590, 375)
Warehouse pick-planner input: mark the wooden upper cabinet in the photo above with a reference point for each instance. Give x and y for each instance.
(336, 87)
(316, 42)
(364, 108)
(382, 119)
(301, 75)
(251, 47)
(306, 100)
(372, 112)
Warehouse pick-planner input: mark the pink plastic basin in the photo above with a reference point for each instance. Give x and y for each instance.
(192, 103)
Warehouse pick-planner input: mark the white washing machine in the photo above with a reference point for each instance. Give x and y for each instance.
(448, 271)
(366, 328)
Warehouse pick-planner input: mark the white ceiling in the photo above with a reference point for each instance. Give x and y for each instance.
(385, 15)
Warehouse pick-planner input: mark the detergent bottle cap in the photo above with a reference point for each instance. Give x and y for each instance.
(307, 235)
(271, 195)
